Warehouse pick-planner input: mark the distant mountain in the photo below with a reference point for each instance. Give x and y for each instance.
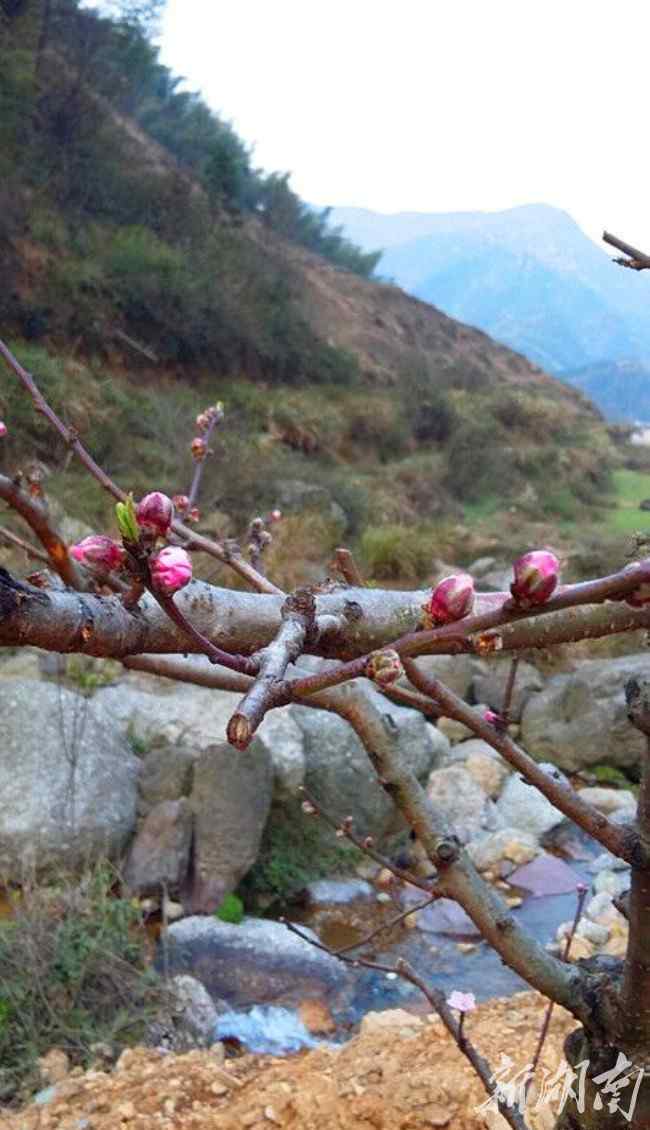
(621, 389)
(527, 276)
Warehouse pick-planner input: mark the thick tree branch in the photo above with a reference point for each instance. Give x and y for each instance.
(621, 841)
(458, 879)
(35, 514)
(298, 625)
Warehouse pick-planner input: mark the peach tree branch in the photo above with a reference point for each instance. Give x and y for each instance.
(621, 841)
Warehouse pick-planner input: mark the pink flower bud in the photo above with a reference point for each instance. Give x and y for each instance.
(98, 552)
(203, 421)
(155, 513)
(384, 667)
(464, 1002)
(451, 599)
(181, 502)
(536, 575)
(199, 448)
(275, 515)
(497, 721)
(194, 514)
(3, 429)
(171, 569)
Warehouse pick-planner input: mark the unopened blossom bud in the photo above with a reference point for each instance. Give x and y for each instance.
(384, 667)
(171, 569)
(464, 1002)
(199, 448)
(98, 552)
(155, 513)
(181, 502)
(451, 599)
(3, 429)
(495, 720)
(536, 575)
(275, 515)
(203, 421)
(193, 515)
(308, 808)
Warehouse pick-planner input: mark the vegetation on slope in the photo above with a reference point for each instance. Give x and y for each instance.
(153, 270)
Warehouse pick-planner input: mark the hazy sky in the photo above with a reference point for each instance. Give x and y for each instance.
(434, 105)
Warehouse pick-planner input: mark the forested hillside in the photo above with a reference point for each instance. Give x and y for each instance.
(147, 264)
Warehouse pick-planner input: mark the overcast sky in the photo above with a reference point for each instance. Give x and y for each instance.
(434, 105)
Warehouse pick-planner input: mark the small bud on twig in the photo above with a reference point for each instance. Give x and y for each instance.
(155, 513)
(536, 576)
(384, 667)
(451, 599)
(98, 552)
(171, 569)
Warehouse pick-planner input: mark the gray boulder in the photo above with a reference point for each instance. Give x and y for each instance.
(178, 721)
(467, 810)
(68, 781)
(522, 806)
(580, 719)
(489, 685)
(230, 800)
(338, 770)
(188, 1018)
(160, 854)
(166, 775)
(256, 962)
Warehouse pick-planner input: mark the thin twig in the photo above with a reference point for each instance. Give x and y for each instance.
(246, 665)
(583, 890)
(366, 845)
(510, 686)
(347, 567)
(30, 550)
(215, 419)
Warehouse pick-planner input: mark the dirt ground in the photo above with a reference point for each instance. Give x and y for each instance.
(401, 1073)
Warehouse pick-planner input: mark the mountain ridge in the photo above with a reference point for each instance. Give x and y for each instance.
(575, 307)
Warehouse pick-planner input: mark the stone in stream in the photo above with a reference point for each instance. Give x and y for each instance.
(160, 854)
(522, 806)
(256, 962)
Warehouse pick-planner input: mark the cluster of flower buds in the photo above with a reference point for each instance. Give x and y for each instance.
(536, 576)
(384, 667)
(155, 514)
(98, 553)
(171, 569)
(3, 429)
(209, 417)
(451, 599)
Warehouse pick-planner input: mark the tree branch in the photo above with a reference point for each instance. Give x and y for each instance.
(298, 623)
(636, 260)
(35, 514)
(621, 841)
(458, 878)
